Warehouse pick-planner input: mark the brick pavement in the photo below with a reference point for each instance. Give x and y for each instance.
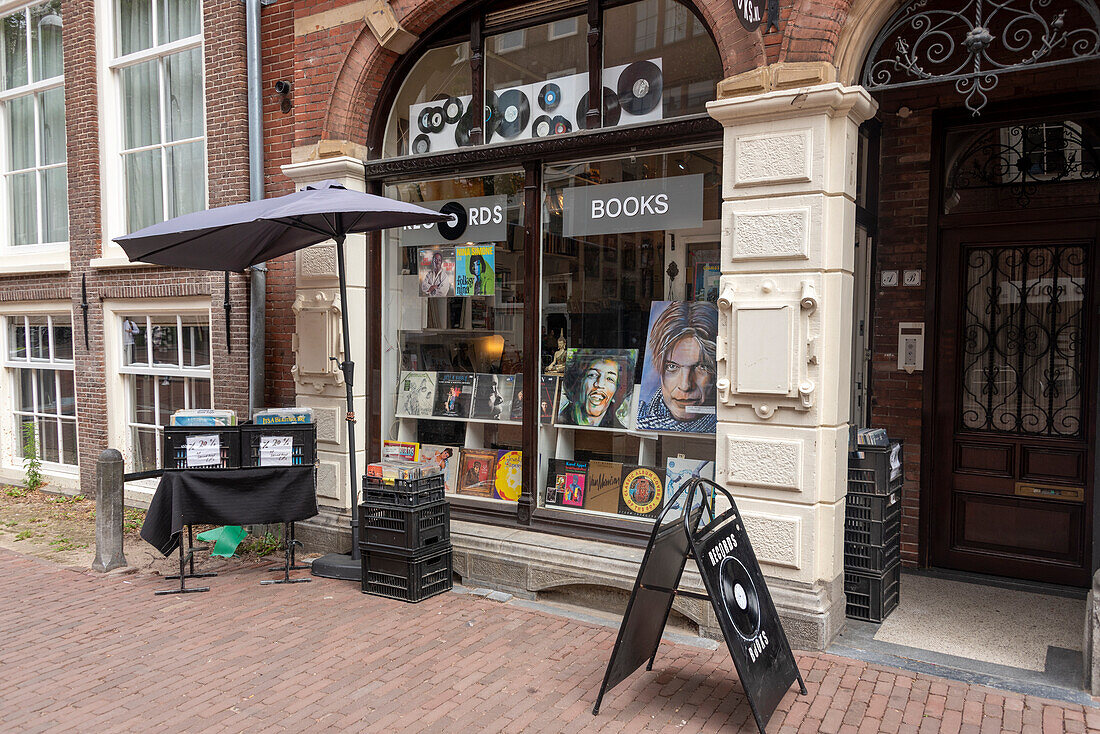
(80, 652)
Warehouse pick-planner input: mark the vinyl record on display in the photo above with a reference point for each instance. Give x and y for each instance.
(611, 109)
(515, 113)
(424, 120)
(549, 97)
(466, 121)
(421, 144)
(561, 125)
(542, 127)
(454, 227)
(492, 115)
(452, 110)
(437, 121)
(739, 596)
(640, 87)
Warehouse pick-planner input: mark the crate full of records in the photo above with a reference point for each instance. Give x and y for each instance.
(201, 439)
(280, 437)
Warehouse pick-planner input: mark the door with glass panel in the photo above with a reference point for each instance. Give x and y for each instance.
(1012, 470)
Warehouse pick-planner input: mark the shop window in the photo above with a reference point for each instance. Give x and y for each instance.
(166, 367)
(43, 387)
(32, 110)
(158, 62)
(454, 320)
(629, 327)
(658, 63)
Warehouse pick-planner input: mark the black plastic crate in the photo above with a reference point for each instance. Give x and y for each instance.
(174, 446)
(386, 527)
(407, 577)
(871, 532)
(869, 470)
(872, 507)
(303, 444)
(875, 558)
(872, 596)
(403, 492)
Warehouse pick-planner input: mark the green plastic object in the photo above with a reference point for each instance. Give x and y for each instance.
(225, 539)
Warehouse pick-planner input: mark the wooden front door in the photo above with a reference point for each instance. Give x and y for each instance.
(1011, 465)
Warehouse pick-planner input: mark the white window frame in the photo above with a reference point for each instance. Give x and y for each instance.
(113, 179)
(42, 257)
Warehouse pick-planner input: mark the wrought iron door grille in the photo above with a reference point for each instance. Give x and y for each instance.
(1023, 340)
(972, 43)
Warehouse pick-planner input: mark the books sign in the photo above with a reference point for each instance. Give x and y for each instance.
(635, 206)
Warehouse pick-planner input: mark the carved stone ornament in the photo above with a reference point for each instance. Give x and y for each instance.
(317, 339)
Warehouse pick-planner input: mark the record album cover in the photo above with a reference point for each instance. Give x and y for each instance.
(493, 397)
(516, 412)
(474, 270)
(436, 271)
(446, 457)
(679, 372)
(679, 471)
(641, 494)
(509, 476)
(597, 388)
(401, 450)
(454, 392)
(548, 398)
(565, 483)
(416, 394)
(476, 472)
(605, 480)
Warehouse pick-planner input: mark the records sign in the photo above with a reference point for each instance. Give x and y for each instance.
(479, 219)
(750, 13)
(635, 206)
(745, 613)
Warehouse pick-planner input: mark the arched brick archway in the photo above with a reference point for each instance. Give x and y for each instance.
(359, 81)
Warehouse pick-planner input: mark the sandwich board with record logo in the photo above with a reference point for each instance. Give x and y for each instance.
(735, 588)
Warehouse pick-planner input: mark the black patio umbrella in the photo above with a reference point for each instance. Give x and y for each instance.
(235, 237)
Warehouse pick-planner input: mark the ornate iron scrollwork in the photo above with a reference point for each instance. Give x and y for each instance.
(974, 44)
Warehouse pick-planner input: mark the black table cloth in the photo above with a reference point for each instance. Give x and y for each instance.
(227, 497)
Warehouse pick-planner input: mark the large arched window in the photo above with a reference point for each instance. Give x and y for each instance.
(655, 61)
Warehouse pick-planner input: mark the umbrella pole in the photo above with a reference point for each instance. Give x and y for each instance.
(348, 368)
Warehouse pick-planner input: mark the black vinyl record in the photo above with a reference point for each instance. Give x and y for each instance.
(462, 130)
(550, 97)
(453, 229)
(561, 125)
(436, 119)
(542, 127)
(739, 596)
(515, 113)
(466, 121)
(452, 110)
(492, 115)
(611, 109)
(421, 144)
(640, 87)
(424, 120)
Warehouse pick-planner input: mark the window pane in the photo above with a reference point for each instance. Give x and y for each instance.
(47, 391)
(24, 208)
(134, 342)
(186, 178)
(441, 74)
(52, 103)
(68, 442)
(21, 430)
(656, 60)
(68, 392)
(62, 339)
(24, 391)
(135, 25)
(47, 436)
(196, 341)
(143, 409)
(178, 19)
(40, 337)
(537, 77)
(46, 40)
(13, 38)
(200, 394)
(165, 341)
(144, 189)
(183, 101)
(171, 398)
(55, 204)
(17, 345)
(140, 105)
(21, 133)
(144, 447)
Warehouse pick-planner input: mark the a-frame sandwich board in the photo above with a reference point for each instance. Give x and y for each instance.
(735, 588)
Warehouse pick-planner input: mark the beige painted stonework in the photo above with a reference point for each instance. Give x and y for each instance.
(784, 345)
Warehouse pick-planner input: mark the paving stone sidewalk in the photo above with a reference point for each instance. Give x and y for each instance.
(81, 652)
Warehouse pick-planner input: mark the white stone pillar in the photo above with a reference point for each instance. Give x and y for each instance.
(785, 338)
(318, 335)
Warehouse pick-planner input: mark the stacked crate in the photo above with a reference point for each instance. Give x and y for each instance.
(405, 538)
(174, 453)
(872, 532)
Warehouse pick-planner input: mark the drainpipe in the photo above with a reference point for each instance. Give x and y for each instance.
(258, 284)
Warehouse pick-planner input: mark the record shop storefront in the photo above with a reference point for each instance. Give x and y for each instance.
(604, 316)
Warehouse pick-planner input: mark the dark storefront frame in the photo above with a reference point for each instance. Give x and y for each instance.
(531, 157)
